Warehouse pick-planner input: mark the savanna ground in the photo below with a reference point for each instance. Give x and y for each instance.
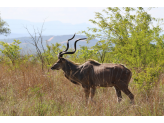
(27, 91)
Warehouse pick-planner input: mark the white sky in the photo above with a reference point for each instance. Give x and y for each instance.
(66, 11)
(73, 15)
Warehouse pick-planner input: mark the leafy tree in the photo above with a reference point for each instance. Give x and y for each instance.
(136, 41)
(11, 51)
(4, 27)
(85, 53)
(102, 48)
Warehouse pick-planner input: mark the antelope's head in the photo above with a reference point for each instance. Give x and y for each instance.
(61, 61)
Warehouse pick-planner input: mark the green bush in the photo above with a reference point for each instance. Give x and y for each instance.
(11, 51)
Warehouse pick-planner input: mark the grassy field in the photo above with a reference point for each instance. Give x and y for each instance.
(27, 91)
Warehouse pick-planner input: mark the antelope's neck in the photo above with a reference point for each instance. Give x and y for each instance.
(70, 68)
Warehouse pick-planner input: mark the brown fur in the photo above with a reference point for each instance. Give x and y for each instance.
(92, 74)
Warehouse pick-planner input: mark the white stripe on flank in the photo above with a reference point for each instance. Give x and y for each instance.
(97, 77)
(117, 73)
(111, 76)
(120, 75)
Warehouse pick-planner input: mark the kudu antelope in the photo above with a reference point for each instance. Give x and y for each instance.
(92, 74)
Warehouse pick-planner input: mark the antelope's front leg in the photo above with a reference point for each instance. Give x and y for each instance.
(93, 90)
(87, 92)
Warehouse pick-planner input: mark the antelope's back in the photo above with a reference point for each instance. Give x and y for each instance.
(106, 75)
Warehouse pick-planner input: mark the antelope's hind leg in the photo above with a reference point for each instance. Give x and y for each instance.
(123, 87)
(129, 94)
(118, 93)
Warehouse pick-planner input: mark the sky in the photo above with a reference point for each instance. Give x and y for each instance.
(73, 15)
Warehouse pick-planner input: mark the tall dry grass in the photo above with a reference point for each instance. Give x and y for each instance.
(29, 91)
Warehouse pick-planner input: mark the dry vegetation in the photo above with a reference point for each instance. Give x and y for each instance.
(29, 91)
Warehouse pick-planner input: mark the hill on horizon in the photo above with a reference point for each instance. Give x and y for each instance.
(55, 30)
(51, 39)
